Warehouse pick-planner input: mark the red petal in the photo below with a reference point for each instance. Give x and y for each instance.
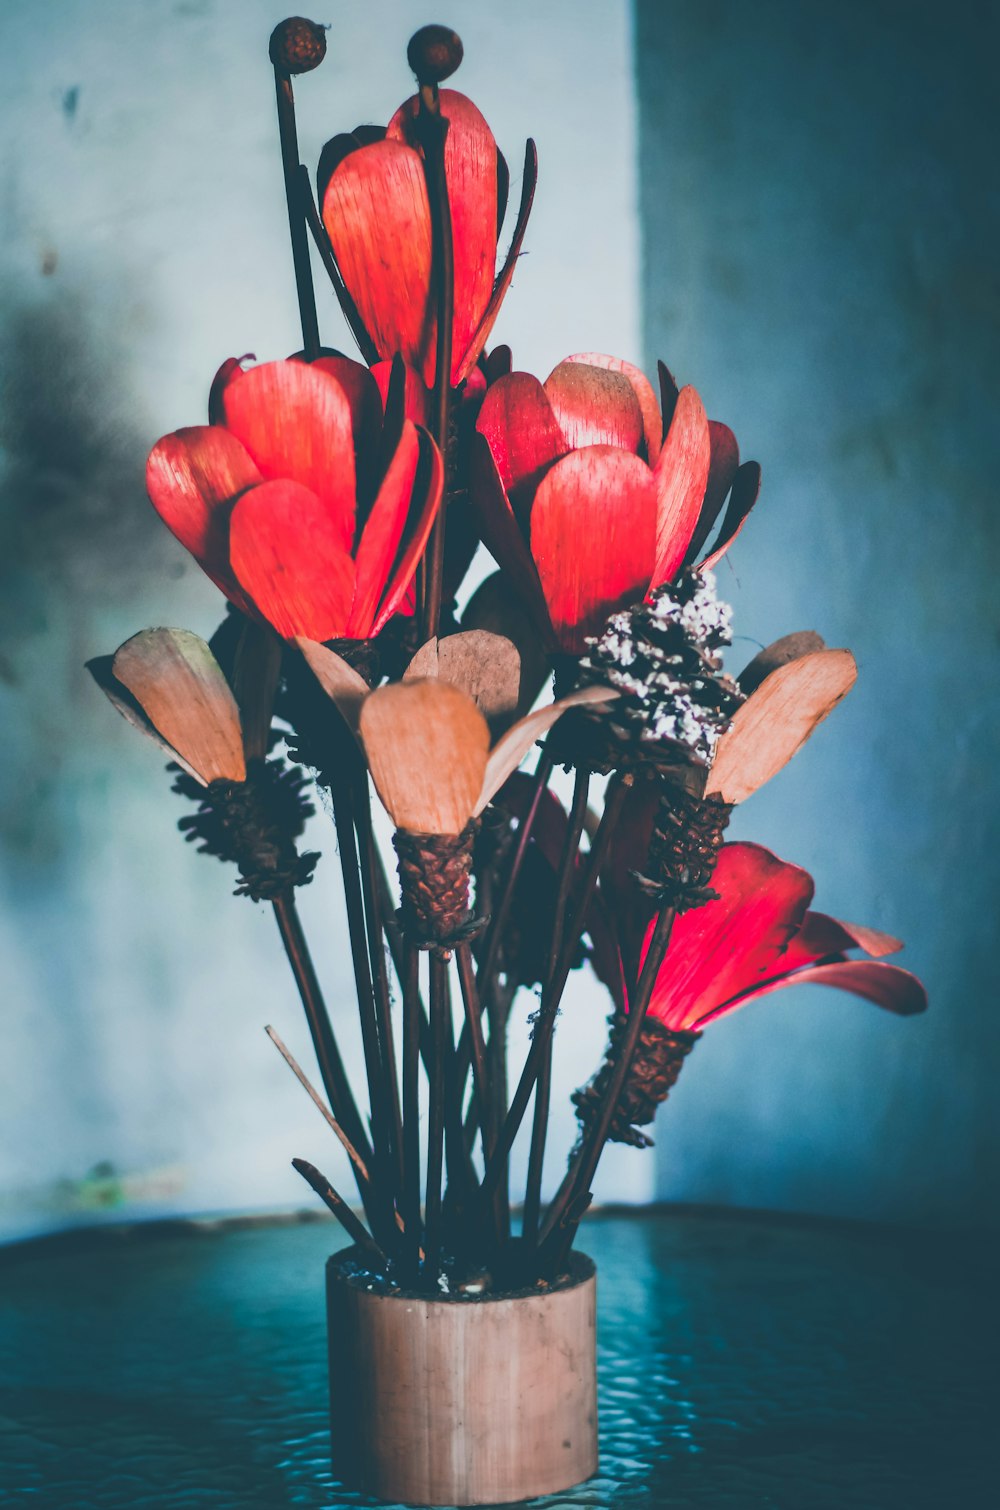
(746, 489)
(887, 986)
(498, 363)
(723, 463)
(669, 393)
(501, 533)
(470, 164)
(382, 533)
(365, 402)
(416, 399)
(295, 421)
(231, 369)
(628, 853)
(821, 936)
(506, 275)
(593, 531)
(724, 949)
(376, 214)
(681, 477)
(192, 477)
(287, 553)
(428, 490)
(594, 407)
(523, 434)
(652, 424)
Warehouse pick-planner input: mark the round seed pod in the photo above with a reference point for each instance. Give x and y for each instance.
(297, 45)
(434, 53)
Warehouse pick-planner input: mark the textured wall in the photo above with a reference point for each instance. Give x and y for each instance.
(145, 240)
(820, 224)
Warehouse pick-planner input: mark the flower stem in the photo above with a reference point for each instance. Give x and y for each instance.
(440, 1034)
(561, 1223)
(356, 1230)
(543, 1084)
(432, 131)
(288, 136)
(412, 1014)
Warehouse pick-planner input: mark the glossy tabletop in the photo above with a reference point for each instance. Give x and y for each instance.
(744, 1362)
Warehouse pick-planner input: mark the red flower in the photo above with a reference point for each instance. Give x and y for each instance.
(760, 936)
(304, 504)
(377, 215)
(586, 502)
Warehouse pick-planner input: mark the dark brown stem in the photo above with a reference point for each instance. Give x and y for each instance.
(381, 1165)
(331, 1066)
(440, 1035)
(550, 1005)
(412, 1015)
(380, 975)
(543, 1084)
(474, 1024)
(562, 1223)
(355, 1229)
(432, 131)
(296, 218)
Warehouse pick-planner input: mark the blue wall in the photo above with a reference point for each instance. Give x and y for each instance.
(820, 220)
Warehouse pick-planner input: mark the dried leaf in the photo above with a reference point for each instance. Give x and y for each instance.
(495, 608)
(486, 667)
(339, 681)
(778, 719)
(100, 668)
(746, 491)
(790, 647)
(515, 744)
(176, 680)
(427, 746)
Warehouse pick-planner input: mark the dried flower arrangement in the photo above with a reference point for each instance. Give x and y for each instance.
(338, 504)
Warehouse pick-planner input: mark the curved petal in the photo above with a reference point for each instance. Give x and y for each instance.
(427, 495)
(470, 165)
(777, 719)
(383, 531)
(501, 534)
(377, 217)
(295, 420)
(178, 683)
(506, 275)
(523, 434)
(416, 396)
(746, 491)
(595, 406)
(509, 751)
(681, 478)
(724, 461)
(725, 948)
(193, 477)
(231, 369)
(821, 936)
(485, 666)
(888, 986)
(289, 557)
(652, 422)
(788, 648)
(426, 744)
(365, 403)
(593, 534)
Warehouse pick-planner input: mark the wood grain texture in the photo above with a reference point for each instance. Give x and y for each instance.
(652, 422)
(681, 480)
(595, 406)
(427, 745)
(777, 720)
(178, 683)
(339, 681)
(438, 1402)
(485, 666)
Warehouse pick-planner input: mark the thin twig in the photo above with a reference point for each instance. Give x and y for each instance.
(412, 1012)
(355, 1229)
(296, 221)
(440, 1034)
(360, 1166)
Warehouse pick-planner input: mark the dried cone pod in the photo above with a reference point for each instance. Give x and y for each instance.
(658, 1061)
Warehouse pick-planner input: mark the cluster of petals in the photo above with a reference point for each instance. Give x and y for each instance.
(309, 497)
(590, 492)
(760, 936)
(377, 215)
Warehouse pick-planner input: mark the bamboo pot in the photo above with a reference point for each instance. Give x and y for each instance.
(456, 1401)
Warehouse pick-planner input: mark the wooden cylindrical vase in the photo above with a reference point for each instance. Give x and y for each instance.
(461, 1400)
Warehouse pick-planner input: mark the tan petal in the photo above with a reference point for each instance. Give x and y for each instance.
(789, 648)
(176, 680)
(427, 745)
(778, 719)
(485, 666)
(511, 750)
(339, 681)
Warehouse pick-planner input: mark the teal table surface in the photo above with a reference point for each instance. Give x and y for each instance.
(744, 1362)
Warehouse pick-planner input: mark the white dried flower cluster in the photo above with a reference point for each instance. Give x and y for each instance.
(662, 657)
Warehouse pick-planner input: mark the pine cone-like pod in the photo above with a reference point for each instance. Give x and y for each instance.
(434, 873)
(297, 45)
(684, 847)
(254, 824)
(652, 1075)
